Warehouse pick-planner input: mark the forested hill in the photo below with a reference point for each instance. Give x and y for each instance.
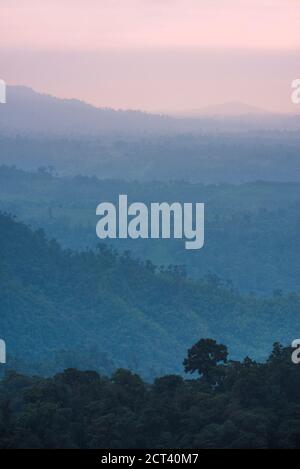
(141, 317)
(251, 230)
(246, 405)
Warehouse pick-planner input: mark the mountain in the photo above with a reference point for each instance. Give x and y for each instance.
(31, 113)
(230, 109)
(35, 114)
(54, 300)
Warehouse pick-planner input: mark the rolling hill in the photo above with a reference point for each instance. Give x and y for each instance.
(140, 317)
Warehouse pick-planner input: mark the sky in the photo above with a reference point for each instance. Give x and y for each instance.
(156, 55)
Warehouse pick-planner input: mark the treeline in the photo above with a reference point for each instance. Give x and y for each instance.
(231, 404)
(212, 158)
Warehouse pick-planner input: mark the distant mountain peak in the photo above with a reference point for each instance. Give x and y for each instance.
(231, 108)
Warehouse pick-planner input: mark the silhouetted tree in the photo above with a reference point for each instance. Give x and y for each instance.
(204, 357)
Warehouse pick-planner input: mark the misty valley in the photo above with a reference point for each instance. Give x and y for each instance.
(106, 324)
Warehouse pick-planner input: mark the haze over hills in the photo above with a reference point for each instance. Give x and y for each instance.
(228, 109)
(30, 113)
(76, 138)
(27, 112)
(245, 243)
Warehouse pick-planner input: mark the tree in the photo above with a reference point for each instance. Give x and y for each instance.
(204, 357)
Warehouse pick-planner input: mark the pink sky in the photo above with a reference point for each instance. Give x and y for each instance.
(41, 41)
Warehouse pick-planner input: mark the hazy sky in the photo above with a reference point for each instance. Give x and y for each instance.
(154, 54)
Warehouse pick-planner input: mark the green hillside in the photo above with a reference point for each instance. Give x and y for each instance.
(251, 230)
(55, 300)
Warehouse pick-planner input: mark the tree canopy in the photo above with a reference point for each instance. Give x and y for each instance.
(255, 405)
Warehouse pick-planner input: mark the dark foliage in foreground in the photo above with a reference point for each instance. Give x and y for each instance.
(246, 405)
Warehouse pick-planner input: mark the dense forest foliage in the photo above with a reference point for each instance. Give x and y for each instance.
(102, 310)
(231, 405)
(251, 230)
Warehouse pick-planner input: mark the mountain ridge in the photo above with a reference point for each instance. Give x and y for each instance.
(28, 112)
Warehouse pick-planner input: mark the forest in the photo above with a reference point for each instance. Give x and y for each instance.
(149, 228)
(96, 333)
(212, 157)
(101, 310)
(229, 404)
(251, 230)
